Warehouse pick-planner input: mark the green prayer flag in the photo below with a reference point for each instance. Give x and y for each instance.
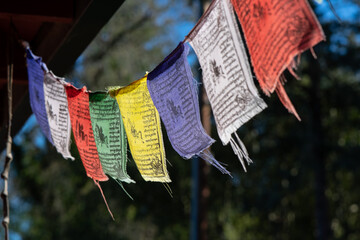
(110, 137)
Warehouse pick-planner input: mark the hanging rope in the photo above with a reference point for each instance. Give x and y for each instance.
(333, 11)
(9, 157)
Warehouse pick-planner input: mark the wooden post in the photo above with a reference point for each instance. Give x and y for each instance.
(9, 157)
(200, 168)
(204, 169)
(323, 231)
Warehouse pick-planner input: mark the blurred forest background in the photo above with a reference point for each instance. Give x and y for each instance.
(304, 183)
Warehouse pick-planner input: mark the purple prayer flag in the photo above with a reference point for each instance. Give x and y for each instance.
(36, 91)
(172, 89)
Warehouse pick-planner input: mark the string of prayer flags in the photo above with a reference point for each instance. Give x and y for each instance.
(143, 130)
(276, 31)
(57, 113)
(226, 73)
(110, 137)
(172, 89)
(78, 102)
(35, 68)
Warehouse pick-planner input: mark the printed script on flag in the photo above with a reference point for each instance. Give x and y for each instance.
(226, 72)
(143, 130)
(36, 76)
(276, 31)
(58, 114)
(110, 137)
(78, 102)
(172, 89)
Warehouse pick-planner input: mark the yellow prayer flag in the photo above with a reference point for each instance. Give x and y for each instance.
(143, 130)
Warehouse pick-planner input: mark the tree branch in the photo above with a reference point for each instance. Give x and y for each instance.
(118, 37)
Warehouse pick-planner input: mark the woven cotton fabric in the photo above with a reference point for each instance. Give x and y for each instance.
(36, 92)
(172, 89)
(276, 31)
(78, 102)
(143, 130)
(226, 72)
(110, 137)
(58, 114)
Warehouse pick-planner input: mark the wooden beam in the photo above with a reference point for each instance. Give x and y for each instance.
(40, 10)
(16, 81)
(35, 18)
(70, 45)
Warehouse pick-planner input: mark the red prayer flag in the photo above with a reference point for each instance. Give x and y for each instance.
(276, 31)
(78, 101)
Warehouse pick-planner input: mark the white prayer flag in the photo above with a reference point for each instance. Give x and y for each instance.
(58, 114)
(226, 72)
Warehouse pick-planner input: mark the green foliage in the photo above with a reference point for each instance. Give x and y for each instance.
(137, 38)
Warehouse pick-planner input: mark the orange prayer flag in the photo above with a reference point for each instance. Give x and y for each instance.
(276, 31)
(78, 101)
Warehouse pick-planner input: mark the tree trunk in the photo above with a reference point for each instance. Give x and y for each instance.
(204, 169)
(204, 189)
(321, 206)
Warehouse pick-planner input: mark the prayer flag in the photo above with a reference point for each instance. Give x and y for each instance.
(35, 68)
(110, 137)
(172, 89)
(226, 72)
(78, 101)
(57, 113)
(143, 130)
(276, 31)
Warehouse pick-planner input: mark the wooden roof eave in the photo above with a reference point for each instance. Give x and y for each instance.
(60, 43)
